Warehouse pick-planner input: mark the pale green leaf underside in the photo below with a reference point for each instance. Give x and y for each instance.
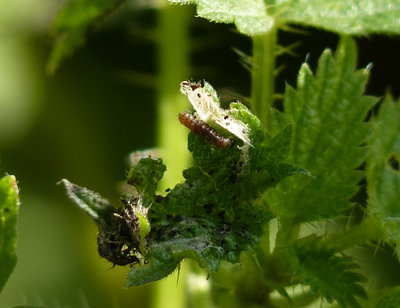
(9, 206)
(327, 110)
(343, 16)
(383, 170)
(249, 16)
(254, 17)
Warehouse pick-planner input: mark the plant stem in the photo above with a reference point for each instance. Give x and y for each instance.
(262, 91)
(262, 75)
(173, 64)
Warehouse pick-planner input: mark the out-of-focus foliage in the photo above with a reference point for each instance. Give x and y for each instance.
(389, 299)
(43, 122)
(28, 307)
(9, 207)
(73, 23)
(383, 170)
(251, 17)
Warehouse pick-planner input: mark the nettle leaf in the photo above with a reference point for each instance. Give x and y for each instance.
(92, 203)
(327, 273)
(327, 111)
(253, 17)
(214, 215)
(122, 231)
(249, 16)
(72, 24)
(211, 216)
(383, 172)
(9, 208)
(343, 16)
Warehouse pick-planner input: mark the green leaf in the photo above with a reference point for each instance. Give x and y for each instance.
(122, 231)
(90, 202)
(249, 16)
(197, 239)
(327, 273)
(72, 24)
(145, 176)
(359, 17)
(216, 213)
(383, 173)
(327, 111)
(9, 207)
(389, 299)
(253, 17)
(158, 267)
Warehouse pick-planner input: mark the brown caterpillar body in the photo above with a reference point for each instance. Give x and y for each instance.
(203, 129)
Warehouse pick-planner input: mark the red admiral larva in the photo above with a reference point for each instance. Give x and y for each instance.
(203, 129)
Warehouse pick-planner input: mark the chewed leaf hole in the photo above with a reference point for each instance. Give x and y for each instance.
(394, 162)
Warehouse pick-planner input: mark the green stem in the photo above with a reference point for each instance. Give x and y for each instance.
(262, 92)
(173, 64)
(262, 74)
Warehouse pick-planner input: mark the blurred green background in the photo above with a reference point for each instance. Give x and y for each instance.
(82, 122)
